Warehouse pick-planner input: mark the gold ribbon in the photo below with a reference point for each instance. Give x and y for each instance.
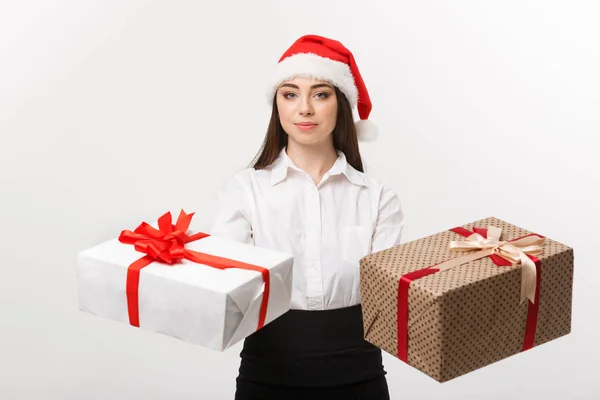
(515, 252)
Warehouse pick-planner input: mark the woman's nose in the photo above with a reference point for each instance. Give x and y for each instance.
(306, 108)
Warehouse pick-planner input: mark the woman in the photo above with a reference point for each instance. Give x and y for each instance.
(307, 194)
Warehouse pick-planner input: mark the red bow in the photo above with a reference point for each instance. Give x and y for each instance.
(166, 244)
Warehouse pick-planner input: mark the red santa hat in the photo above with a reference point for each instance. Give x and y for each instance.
(326, 59)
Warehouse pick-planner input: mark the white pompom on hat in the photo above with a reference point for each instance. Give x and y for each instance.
(326, 59)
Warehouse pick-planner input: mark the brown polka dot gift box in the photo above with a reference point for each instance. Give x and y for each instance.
(456, 301)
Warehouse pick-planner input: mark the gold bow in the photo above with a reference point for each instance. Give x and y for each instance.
(515, 252)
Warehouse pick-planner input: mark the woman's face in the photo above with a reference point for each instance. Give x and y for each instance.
(307, 109)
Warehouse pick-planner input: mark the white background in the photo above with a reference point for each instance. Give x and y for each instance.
(112, 112)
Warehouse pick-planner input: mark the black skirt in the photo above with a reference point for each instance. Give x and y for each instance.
(312, 355)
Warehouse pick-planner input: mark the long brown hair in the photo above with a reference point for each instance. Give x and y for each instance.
(344, 136)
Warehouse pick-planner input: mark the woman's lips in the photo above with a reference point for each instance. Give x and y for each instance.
(306, 126)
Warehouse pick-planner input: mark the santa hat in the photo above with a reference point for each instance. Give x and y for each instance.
(326, 59)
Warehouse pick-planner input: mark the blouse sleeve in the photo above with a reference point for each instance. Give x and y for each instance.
(232, 219)
(390, 221)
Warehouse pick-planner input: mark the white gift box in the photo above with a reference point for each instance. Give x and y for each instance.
(193, 302)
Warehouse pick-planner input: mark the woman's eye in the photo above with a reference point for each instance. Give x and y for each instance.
(322, 95)
(289, 95)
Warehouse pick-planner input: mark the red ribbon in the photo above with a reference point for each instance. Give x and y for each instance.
(167, 246)
(406, 279)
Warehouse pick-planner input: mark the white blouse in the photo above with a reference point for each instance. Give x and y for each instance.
(327, 227)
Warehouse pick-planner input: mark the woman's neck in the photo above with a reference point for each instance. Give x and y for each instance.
(314, 160)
